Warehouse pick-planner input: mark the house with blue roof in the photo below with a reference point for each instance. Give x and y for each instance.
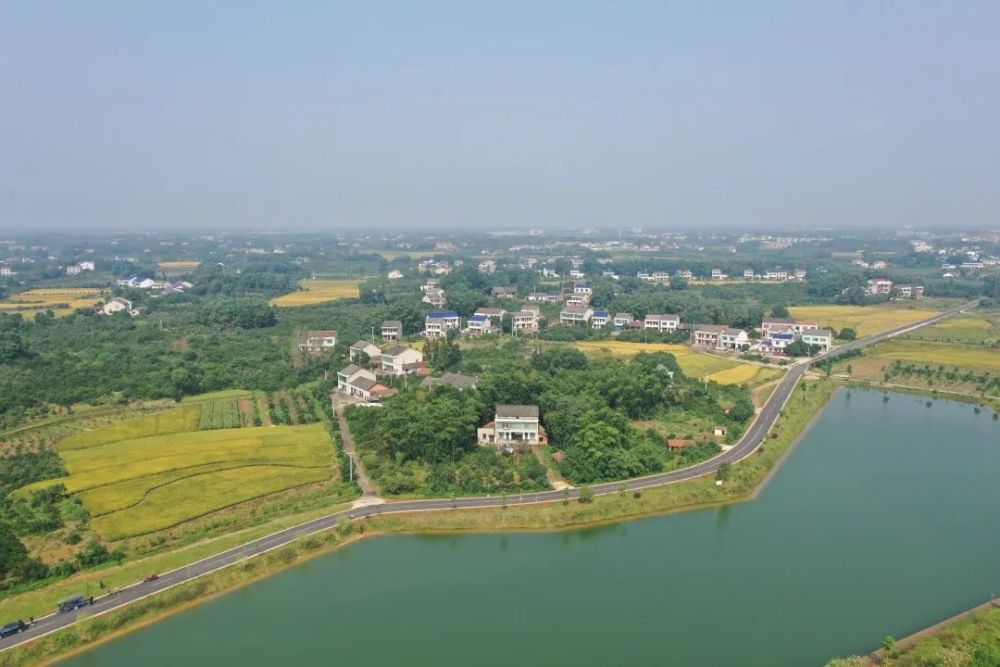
(599, 319)
(582, 288)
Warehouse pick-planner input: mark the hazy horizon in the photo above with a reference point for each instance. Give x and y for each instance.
(181, 116)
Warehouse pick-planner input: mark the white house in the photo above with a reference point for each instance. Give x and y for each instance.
(577, 299)
(622, 320)
(718, 274)
(583, 288)
(772, 324)
(438, 324)
(600, 319)
(118, 305)
(525, 321)
(706, 335)
(395, 274)
(654, 322)
(361, 383)
(481, 324)
(434, 297)
(318, 341)
(820, 337)
(575, 315)
(513, 424)
(364, 347)
(733, 339)
(73, 270)
(878, 286)
(487, 266)
(87, 265)
(399, 360)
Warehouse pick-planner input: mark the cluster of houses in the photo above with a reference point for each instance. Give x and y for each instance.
(162, 286)
(884, 287)
(77, 269)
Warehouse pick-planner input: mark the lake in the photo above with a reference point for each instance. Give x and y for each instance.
(882, 521)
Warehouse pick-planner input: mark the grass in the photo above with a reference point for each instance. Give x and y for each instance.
(745, 477)
(948, 354)
(748, 374)
(318, 291)
(144, 475)
(955, 644)
(865, 320)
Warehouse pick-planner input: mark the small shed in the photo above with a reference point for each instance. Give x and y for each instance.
(719, 431)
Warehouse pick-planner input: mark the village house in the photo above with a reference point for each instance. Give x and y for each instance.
(654, 322)
(600, 319)
(395, 274)
(392, 330)
(430, 284)
(6, 271)
(513, 425)
(438, 324)
(73, 270)
(364, 347)
(685, 274)
(719, 274)
(577, 299)
(487, 266)
(820, 337)
(910, 291)
(878, 286)
(435, 297)
(583, 288)
(577, 273)
(478, 325)
(622, 320)
(526, 320)
(734, 339)
(800, 274)
(318, 341)
(87, 265)
(495, 314)
(399, 360)
(456, 380)
(776, 274)
(660, 277)
(575, 315)
(748, 274)
(706, 335)
(118, 305)
(501, 292)
(361, 383)
(772, 324)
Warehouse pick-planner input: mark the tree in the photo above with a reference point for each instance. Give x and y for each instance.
(847, 334)
(723, 471)
(11, 347)
(888, 643)
(798, 349)
(586, 495)
(780, 310)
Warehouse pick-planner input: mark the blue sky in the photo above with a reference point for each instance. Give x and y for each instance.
(323, 115)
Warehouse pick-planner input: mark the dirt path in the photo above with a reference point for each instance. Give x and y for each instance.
(556, 481)
(368, 487)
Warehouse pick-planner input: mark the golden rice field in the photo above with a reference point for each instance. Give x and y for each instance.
(318, 291)
(865, 320)
(694, 364)
(147, 474)
(178, 266)
(61, 301)
(940, 353)
(751, 374)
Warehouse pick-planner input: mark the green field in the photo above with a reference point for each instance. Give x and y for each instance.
(151, 473)
(865, 320)
(220, 413)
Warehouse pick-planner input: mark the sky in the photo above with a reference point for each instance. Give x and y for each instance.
(302, 115)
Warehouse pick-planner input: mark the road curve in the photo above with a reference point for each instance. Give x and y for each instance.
(751, 440)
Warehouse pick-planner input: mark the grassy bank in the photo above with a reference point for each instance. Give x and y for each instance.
(744, 479)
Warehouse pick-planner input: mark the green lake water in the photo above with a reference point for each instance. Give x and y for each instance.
(882, 521)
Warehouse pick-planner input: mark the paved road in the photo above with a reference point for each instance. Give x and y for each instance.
(750, 441)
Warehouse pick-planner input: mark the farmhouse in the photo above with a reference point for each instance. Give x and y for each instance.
(575, 315)
(399, 360)
(361, 383)
(395, 274)
(487, 266)
(481, 324)
(577, 300)
(719, 274)
(622, 320)
(774, 324)
(430, 284)
(910, 291)
(437, 325)
(600, 319)
(495, 314)
(363, 347)
(513, 424)
(525, 320)
(821, 337)
(500, 292)
(583, 288)
(456, 380)
(706, 335)
(734, 339)
(73, 270)
(878, 286)
(654, 322)
(118, 305)
(434, 297)
(392, 330)
(318, 341)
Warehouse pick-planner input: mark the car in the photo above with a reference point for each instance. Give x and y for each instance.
(13, 628)
(69, 604)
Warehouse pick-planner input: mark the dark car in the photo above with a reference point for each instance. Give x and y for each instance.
(75, 602)
(12, 629)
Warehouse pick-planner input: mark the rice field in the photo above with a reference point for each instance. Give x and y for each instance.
(151, 473)
(61, 301)
(865, 320)
(936, 353)
(179, 265)
(749, 374)
(694, 364)
(318, 291)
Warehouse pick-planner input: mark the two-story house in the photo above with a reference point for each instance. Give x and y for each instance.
(706, 335)
(622, 320)
(526, 320)
(661, 323)
(600, 319)
(575, 315)
(513, 425)
(399, 360)
(392, 330)
(364, 347)
(733, 339)
(318, 341)
(438, 324)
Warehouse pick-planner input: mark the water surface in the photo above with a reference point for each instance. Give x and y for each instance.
(882, 521)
